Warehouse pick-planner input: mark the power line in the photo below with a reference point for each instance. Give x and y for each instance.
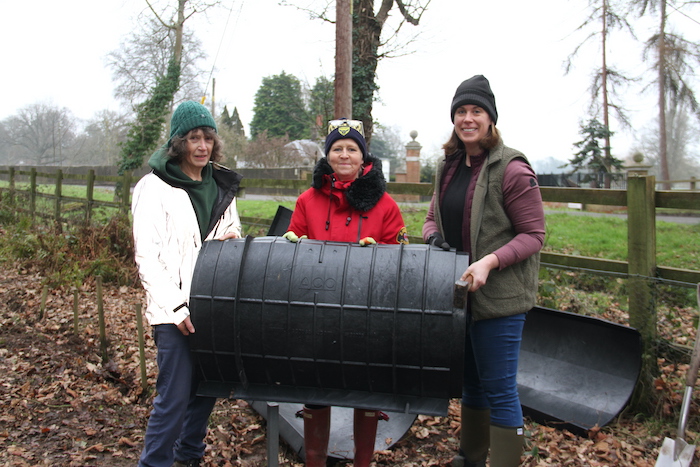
(223, 35)
(679, 11)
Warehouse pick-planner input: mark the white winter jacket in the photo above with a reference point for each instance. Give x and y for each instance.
(167, 241)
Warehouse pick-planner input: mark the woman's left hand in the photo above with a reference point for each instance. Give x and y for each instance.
(478, 272)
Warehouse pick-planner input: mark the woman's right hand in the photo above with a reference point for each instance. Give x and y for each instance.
(478, 272)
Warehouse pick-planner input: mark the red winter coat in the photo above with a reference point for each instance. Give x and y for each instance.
(331, 211)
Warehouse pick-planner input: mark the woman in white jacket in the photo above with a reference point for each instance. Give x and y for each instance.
(185, 199)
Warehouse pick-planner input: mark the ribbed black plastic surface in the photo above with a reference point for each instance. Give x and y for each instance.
(576, 371)
(329, 323)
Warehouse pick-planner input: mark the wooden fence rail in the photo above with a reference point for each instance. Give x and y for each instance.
(63, 205)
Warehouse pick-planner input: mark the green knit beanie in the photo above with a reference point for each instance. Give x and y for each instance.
(188, 116)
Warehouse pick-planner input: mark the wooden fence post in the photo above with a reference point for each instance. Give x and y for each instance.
(32, 193)
(12, 184)
(59, 191)
(641, 257)
(101, 321)
(89, 195)
(126, 192)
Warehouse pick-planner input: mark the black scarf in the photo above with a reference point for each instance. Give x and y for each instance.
(365, 192)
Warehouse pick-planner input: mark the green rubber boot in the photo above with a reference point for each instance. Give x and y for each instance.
(506, 446)
(474, 439)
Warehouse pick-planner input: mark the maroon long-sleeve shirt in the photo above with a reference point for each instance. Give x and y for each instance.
(523, 204)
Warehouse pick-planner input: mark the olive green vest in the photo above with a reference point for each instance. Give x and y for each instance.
(512, 290)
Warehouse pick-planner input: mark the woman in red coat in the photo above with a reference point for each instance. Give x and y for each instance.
(347, 202)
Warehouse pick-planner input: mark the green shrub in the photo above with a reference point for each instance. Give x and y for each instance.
(68, 255)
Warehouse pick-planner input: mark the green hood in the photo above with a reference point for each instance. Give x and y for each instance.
(169, 171)
(203, 193)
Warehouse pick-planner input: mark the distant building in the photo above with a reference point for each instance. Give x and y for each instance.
(303, 153)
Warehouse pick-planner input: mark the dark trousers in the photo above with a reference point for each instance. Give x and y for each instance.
(178, 422)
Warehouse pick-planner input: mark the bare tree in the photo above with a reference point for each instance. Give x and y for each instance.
(682, 139)
(173, 18)
(606, 79)
(143, 59)
(388, 143)
(99, 143)
(675, 64)
(231, 130)
(371, 43)
(5, 152)
(264, 151)
(144, 135)
(367, 41)
(41, 134)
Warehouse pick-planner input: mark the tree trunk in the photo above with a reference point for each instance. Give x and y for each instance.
(343, 59)
(606, 114)
(663, 147)
(366, 34)
(179, 26)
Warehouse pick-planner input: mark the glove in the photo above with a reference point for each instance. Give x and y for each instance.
(292, 237)
(437, 240)
(368, 241)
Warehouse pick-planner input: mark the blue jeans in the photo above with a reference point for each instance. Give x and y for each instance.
(491, 354)
(178, 422)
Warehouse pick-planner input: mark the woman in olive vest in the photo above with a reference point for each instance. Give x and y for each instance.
(487, 202)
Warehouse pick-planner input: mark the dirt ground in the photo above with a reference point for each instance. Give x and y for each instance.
(61, 406)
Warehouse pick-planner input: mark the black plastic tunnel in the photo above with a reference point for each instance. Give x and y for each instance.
(376, 327)
(329, 323)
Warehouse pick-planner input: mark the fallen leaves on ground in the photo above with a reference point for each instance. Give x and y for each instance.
(63, 406)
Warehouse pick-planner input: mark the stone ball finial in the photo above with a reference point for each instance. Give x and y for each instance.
(413, 134)
(638, 157)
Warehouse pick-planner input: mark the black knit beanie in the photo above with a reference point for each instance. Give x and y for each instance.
(476, 91)
(346, 131)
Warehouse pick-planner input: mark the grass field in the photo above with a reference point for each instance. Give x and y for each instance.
(599, 237)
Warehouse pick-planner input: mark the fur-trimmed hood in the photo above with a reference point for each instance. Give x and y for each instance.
(364, 193)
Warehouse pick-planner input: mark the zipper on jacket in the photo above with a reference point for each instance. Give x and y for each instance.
(330, 202)
(359, 228)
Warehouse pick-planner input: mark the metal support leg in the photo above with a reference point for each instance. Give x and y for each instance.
(273, 434)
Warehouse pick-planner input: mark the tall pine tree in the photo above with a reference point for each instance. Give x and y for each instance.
(279, 108)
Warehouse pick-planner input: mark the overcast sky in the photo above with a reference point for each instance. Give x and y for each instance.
(55, 53)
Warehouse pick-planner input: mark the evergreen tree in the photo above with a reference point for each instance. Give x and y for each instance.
(237, 124)
(321, 101)
(594, 157)
(233, 121)
(224, 118)
(232, 133)
(279, 108)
